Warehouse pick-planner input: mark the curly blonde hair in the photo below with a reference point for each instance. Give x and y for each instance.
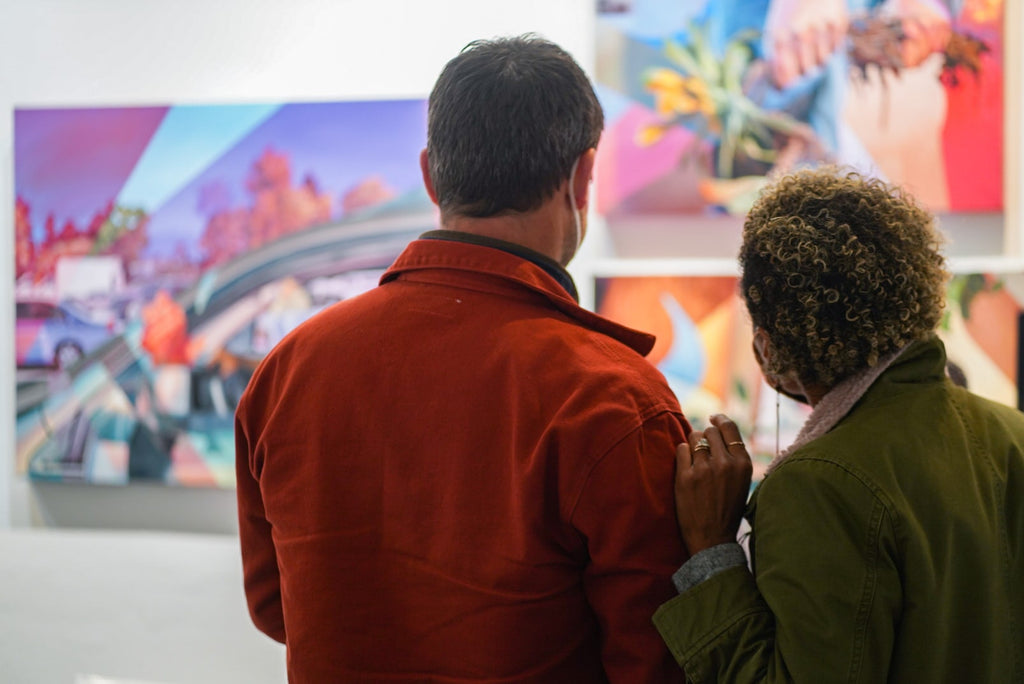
(839, 270)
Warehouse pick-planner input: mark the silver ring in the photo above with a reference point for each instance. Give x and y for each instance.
(702, 443)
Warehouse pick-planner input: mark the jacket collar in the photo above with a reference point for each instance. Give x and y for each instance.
(508, 271)
(922, 360)
(550, 266)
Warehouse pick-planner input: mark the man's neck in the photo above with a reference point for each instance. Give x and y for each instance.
(542, 230)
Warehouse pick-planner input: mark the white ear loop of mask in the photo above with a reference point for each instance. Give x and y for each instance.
(777, 401)
(572, 202)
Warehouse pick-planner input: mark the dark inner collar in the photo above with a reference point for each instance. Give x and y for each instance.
(550, 266)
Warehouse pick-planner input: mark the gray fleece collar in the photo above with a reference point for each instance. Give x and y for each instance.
(835, 405)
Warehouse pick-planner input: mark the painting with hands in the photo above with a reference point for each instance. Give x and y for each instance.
(704, 99)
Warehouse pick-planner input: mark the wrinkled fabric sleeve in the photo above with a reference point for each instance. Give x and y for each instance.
(627, 516)
(826, 600)
(260, 572)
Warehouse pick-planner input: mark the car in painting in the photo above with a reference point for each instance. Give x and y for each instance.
(123, 415)
(55, 334)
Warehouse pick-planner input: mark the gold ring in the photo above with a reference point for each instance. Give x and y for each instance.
(736, 444)
(702, 443)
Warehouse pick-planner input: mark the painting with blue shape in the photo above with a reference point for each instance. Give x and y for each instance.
(703, 348)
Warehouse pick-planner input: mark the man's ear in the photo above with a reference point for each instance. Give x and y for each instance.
(584, 174)
(428, 183)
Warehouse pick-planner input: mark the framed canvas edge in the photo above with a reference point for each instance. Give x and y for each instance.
(1013, 152)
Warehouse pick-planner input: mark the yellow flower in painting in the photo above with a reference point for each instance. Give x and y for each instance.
(666, 85)
(648, 135)
(678, 94)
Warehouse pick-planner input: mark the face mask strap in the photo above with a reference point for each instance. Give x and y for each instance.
(572, 202)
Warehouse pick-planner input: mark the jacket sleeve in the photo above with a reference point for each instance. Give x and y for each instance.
(260, 573)
(627, 516)
(827, 596)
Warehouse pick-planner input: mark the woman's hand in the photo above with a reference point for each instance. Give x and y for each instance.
(713, 471)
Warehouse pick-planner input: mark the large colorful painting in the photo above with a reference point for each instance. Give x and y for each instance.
(703, 348)
(162, 251)
(705, 98)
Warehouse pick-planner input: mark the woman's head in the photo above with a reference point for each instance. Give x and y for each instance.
(839, 270)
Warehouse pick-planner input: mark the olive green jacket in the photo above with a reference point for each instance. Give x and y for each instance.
(889, 549)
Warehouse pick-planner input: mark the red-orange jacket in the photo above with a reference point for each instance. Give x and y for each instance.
(460, 476)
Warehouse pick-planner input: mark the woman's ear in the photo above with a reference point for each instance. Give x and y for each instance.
(761, 346)
(788, 383)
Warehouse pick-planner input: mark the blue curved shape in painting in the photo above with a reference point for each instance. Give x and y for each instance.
(685, 364)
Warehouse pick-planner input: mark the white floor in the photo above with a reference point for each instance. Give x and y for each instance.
(82, 607)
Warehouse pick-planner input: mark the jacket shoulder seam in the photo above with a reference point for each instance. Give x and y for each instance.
(644, 416)
(869, 589)
(1000, 487)
(858, 475)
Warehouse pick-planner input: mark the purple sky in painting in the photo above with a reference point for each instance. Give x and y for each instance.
(339, 144)
(72, 162)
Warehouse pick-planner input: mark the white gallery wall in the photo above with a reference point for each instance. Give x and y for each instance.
(126, 52)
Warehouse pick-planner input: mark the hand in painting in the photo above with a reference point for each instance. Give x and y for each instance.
(927, 27)
(713, 471)
(801, 35)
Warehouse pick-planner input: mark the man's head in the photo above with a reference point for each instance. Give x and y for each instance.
(508, 118)
(839, 270)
